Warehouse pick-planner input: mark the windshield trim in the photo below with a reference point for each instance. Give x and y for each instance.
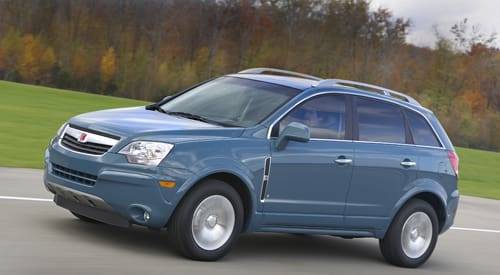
(160, 104)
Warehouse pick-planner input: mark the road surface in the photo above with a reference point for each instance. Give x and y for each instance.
(36, 237)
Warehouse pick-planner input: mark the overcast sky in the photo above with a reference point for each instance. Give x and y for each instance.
(443, 13)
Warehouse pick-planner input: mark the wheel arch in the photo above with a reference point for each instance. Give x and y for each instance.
(435, 196)
(436, 203)
(241, 183)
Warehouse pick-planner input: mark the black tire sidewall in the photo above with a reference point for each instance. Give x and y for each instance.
(185, 216)
(391, 245)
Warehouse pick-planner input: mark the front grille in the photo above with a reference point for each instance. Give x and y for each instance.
(73, 175)
(87, 147)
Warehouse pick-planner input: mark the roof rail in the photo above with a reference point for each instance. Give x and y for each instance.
(272, 71)
(371, 88)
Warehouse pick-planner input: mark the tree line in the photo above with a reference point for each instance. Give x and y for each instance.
(151, 48)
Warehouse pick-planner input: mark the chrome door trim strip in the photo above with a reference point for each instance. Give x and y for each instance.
(375, 142)
(400, 144)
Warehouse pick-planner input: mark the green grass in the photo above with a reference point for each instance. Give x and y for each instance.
(30, 116)
(479, 173)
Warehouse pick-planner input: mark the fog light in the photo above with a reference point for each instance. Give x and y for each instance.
(146, 216)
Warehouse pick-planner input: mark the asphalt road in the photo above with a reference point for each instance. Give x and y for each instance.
(36, 237)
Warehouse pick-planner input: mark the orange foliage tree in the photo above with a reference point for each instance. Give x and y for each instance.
(108, 66)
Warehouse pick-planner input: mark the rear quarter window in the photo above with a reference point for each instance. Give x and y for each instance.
(421, 131)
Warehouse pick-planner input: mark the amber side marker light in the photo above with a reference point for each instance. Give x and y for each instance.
(167, 184)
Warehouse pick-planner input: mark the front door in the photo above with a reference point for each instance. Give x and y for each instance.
(308, 182)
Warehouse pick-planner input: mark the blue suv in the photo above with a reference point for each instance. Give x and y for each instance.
(263, 150)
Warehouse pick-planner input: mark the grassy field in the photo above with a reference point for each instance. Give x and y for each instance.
(479, 173)
(30, 116)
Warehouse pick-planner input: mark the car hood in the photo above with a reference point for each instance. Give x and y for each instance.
(139, 122)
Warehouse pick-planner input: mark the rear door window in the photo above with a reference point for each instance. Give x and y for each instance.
(380, 121)
(420, 130)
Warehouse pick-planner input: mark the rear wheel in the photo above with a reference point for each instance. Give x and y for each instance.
(412, 236)
(207, 221)
(83, 218)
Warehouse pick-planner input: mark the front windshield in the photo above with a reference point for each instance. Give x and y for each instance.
(231, 101)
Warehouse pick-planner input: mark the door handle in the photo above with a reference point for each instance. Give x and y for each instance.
(343, 160)
(408, 163)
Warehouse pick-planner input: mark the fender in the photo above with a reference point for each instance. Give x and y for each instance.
(419, 186)
(210, 166)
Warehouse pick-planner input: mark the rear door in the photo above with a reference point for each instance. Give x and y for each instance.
(308, 182)
(433, 160)
(384, 164)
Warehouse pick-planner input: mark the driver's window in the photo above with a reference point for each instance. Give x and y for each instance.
(324, 115)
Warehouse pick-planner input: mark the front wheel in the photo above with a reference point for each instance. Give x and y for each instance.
(412, 236)
(207, 221)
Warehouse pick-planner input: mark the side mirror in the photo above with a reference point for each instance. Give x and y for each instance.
(294, 131)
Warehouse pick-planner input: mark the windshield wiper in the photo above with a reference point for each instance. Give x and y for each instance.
(155, 107)
(194, 117)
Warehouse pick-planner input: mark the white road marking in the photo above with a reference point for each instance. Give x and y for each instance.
(24, 198)
(475, 229)
(49, 200)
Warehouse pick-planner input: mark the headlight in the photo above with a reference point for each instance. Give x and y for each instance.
(146, 152)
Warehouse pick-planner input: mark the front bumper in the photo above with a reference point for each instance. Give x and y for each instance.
(86, 205)
(118, 193)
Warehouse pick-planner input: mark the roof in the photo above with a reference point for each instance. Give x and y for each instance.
(304, 81)
(360, 91)
(289, 81)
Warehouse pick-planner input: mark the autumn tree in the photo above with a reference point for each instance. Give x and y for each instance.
(47, 63)
(108, 67)
(149, 49)
(80, 66)
(28, 65)
(2, 59)
(13, 49)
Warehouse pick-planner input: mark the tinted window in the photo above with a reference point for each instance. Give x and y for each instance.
(324, 115)
(380, 121)
(420, 130)
(232, 101)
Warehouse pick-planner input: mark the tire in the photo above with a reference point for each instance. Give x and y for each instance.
(210, 207)
(420, 240)
(83, 218)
